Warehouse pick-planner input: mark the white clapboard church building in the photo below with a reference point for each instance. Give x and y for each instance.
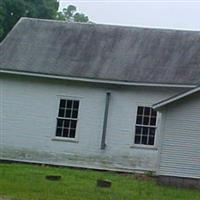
(101, 96)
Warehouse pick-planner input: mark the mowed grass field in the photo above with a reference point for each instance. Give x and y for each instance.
(27, 182)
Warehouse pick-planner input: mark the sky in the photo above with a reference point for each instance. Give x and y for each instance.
(173, 14)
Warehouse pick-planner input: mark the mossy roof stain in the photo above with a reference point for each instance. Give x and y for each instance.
(102, 52)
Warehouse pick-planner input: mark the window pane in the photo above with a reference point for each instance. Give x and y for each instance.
(66, 123)
(153, 121)
(61, 112)
(58, 131)
(153, 113)
(69, 103)
(152, 131)
(72, 133)
(138, 130)
(145, 131)
(137, 139)
(144, 139)
(147, 111)
(62, 103)
(146, 121)
(65, 132)
(74, 113)
(59, 122)
(139, 120)
(151, 141)
(140, 110)
(76, 105)
(73, 123)
(68, 113)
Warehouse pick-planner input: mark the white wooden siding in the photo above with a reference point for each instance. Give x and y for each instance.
(180, 151)
(29, 107)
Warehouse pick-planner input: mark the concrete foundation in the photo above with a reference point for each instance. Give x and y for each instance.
(179, 181)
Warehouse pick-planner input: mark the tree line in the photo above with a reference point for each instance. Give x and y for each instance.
(12, 10)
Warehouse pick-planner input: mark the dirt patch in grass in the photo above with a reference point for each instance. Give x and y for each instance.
(137, 176)
(144, 177)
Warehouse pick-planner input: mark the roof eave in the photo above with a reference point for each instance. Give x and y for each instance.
(161, 104)
(112, 82)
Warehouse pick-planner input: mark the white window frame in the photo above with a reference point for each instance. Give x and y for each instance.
(143, 146)
(61, 138)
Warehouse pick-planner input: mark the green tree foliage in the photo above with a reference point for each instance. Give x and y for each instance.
(12, 10)
(1, 21)
(70, 14)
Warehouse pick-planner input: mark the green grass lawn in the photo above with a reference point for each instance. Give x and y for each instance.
(27, 182)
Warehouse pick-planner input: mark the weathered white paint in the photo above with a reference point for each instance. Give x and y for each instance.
(180, 148)
(29, 107)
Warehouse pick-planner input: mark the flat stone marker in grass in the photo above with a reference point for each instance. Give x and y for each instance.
(52, 178)
(104, 183)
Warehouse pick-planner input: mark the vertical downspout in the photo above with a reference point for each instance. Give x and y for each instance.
(103, 139)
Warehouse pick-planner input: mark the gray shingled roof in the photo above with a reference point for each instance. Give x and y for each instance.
(102, 52)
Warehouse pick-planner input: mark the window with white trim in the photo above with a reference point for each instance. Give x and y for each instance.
(67, 118)
(145, 126)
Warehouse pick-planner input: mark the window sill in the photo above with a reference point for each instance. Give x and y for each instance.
(143, 147)
(65, 139)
